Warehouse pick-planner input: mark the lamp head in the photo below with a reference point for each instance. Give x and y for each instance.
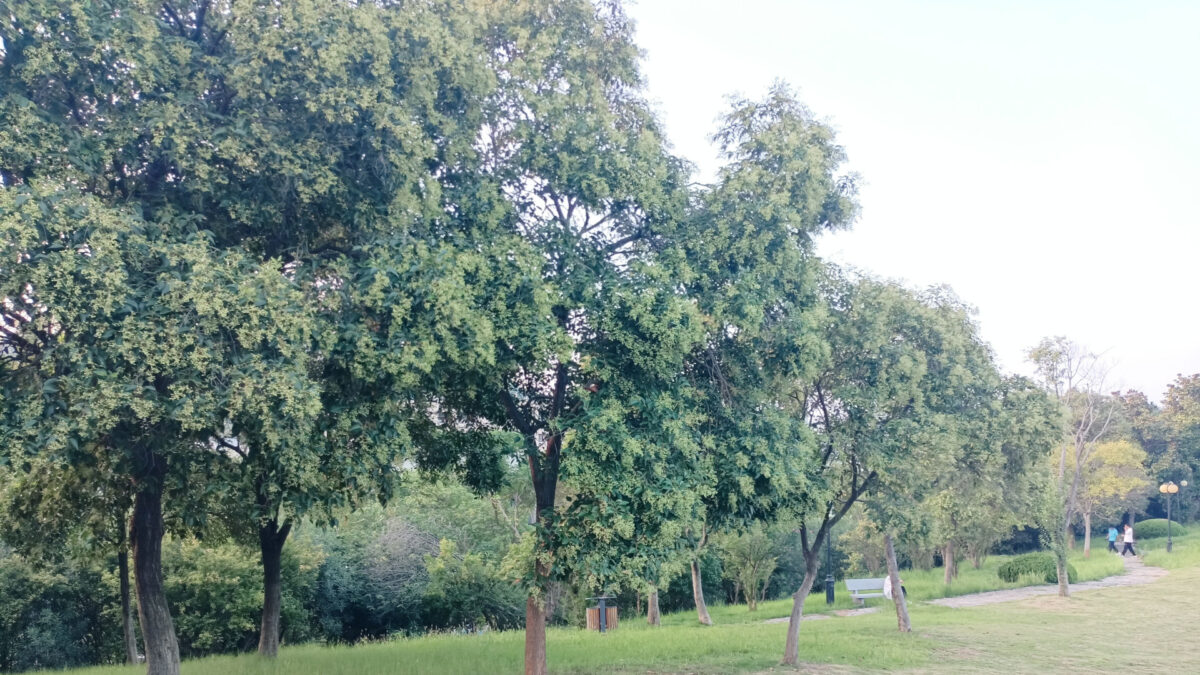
(1163, 488)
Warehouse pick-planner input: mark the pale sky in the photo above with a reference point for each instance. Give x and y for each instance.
(1040, 157)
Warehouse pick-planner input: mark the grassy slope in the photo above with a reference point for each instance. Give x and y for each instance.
(1101, 629)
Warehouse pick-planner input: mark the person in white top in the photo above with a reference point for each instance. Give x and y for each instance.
(887, 587)
(1128, 539)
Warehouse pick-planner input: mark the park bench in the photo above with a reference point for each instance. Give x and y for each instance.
(859, 589)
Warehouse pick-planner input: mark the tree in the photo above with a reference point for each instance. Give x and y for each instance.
(338, 139)
(991, 485)
(120, 338)
(885, 405)
(1113, 478)
(749, 562)
(1075, 377)
(748, 247)
(47, 507)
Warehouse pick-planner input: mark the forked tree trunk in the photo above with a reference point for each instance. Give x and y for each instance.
(1087, 534)
(791, 651)
(902, 621)
(698, 595)
(652, 614)
(158, 631)
(127, 631)
(271, 539)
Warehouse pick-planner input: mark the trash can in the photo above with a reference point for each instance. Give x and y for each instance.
(601, 616)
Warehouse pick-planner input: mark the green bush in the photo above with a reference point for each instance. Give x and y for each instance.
(1154, 528)
(1034, 564)
(467, 591)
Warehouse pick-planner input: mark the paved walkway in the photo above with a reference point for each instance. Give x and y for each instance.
(1135, 574)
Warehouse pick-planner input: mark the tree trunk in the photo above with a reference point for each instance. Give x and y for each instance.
(544, 475)
(949, 565)
(902, 621)
(1060, 564)
(158, 631)
(791, 651)
(131, 648)
(271, 539)
(535, 637)
(698, 595)
(1087, 534)
(653, 617)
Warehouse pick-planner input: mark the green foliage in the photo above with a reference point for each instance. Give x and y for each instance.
(1040, 565)
(56, 616)
(469, 592)
(1154, 528)
(216, 594)
(749, 561)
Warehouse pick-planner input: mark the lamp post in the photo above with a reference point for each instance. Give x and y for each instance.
(1169, 488)
(829, 568)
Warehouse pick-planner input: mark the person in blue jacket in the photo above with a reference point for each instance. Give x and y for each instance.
(1112, 539)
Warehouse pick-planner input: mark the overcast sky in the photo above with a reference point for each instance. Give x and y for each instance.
(1041, 157)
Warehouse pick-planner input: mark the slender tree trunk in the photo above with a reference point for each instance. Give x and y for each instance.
(791, 651)
(158, 631)
(271, 538)
(1087, 534)
(1064, 584)
(1060, 565)
(698, 595)
(949, 565)
(653, 617)
(131, 648)
(902, 621)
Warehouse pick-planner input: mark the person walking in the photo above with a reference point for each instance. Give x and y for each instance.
(1128, 541)
(1112, 539)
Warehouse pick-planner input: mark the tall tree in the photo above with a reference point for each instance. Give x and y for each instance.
(748, 248)
(122, 338)
(885, 405)
(1075, 377)
(337, 138)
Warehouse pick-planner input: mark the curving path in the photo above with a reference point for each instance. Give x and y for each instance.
(1135, 574)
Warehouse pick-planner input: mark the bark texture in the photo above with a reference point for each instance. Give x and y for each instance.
(158, 631)
(653, 617)
(127, 631)
(698, 595)
(902, 621)
(535, 637)
(791, 651)
(1064, 582)
(949, 565)
(271, 538)
(1087, 534)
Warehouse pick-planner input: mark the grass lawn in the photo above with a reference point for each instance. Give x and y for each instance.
(1134, 628)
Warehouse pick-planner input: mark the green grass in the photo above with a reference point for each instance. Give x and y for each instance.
(1007, 637)
(1185, 552)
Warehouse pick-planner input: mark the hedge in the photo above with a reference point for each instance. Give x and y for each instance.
(1037, 564)
(1154, 528)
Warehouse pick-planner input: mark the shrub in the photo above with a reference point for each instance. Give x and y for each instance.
(1154, 528)
(1034, 564)
(469, 592)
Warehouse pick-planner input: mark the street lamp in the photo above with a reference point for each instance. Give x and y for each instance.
(829, 569)
(1169, 488)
